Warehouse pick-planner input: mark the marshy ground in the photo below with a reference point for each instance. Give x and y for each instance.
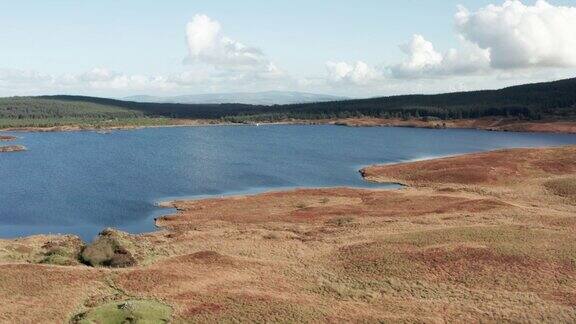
(480, 237)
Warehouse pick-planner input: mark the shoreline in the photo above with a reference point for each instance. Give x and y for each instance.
(365, 173)
(487, 124)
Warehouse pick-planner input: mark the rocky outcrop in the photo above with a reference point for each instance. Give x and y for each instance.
(108, 250)
(7, 138)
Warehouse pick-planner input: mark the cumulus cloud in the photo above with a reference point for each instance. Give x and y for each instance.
(422, 54)
(206, 44)
(424, 61)
(522, 36)
(358, 73)
(496, 38)
(468, 59)
(422, 58)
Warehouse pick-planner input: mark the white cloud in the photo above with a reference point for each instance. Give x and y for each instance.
(29, 82)
(497, 38)
(421, 54)
(422, 58)
(522, 36)
(105, 81)
(22, 76)
(206, 44)
(424, 61)
(468, 59)
(358, 73)
(223, 61)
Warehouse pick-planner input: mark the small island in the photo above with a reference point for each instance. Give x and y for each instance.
(12, 148)
(7, 138)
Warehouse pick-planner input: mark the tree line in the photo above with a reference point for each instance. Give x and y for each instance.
(532, 102)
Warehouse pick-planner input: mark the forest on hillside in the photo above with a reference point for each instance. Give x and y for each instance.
(550, 100)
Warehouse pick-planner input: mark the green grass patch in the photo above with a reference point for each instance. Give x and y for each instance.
(60, 256)
(131, 311)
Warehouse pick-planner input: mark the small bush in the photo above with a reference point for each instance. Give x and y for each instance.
(340, 221)
(564, 187)
(59, 256)
(301, 205)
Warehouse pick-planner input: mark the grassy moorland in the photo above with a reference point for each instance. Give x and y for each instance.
(520, 106)
(483, 237)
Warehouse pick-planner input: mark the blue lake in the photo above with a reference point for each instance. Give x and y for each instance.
(81, 182)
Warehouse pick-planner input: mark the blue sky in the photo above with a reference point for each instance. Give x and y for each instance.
(52, 41)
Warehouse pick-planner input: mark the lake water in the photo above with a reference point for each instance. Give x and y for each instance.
(81, 182)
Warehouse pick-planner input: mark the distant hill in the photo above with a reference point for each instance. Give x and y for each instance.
(547, 100)
(266, 98)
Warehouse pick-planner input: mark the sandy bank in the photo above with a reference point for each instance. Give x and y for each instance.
(475, 238)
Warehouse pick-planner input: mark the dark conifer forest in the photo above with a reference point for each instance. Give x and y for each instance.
(549, 100)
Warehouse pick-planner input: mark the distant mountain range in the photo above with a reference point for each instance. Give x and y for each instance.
(266, 98)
